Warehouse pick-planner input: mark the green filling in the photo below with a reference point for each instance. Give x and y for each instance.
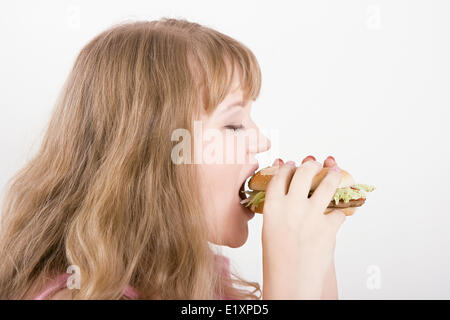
(353, 192)
(255, 197)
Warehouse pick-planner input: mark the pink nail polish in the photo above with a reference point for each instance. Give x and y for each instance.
(309, 158)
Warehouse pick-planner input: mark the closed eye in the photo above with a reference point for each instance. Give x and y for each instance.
(235, 128)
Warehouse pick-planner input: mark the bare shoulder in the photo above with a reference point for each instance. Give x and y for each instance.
(62, 294)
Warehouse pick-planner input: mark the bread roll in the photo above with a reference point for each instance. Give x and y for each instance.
(260, 180)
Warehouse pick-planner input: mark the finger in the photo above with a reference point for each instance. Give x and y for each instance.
(309, 158)
(301, 181)
(279, 183)
(277, 162)
(329, 162)
(337, 217)
(327, 187)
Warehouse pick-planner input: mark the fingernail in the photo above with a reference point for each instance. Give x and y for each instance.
(290, 163)
(308, 158)
(336, 168)
(332, 158)
(276, 162)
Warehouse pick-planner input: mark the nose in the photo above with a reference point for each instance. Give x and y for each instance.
(265, 145)
(261, 144)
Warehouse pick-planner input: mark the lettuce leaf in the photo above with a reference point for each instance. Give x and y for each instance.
(354, 192)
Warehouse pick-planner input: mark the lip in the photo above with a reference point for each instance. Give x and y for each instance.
(249, 174)
(252, 171)
(249, 212)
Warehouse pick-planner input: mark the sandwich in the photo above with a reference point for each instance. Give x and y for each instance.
(347, 198)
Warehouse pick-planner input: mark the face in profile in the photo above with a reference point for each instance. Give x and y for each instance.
(221, 180)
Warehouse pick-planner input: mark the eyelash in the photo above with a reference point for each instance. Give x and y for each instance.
(235, 128)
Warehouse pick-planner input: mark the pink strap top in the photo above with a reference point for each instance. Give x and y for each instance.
(60, 282)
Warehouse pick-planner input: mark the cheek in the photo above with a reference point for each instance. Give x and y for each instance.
(220, 189)
(221, 185)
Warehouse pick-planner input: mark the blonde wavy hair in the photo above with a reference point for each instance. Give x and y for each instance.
(102, 192)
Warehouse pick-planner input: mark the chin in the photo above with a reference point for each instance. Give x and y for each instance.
(238, 239)
(239, 236)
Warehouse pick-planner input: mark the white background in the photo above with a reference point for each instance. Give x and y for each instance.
(364, 81)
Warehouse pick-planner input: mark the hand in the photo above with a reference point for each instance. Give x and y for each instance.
(329, 161)
(298, 239)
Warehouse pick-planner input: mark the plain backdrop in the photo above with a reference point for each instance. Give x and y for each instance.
(364, 81)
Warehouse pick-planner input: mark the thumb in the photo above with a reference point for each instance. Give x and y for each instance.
(337, 217)
(277, 162)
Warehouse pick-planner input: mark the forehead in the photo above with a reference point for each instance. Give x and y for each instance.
(233, 100)
(236, 93)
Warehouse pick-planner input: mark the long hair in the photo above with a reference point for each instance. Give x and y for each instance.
(102, 193)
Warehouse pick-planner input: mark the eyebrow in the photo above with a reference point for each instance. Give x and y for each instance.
(239, 103)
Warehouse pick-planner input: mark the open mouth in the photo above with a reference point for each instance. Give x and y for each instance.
(242, 193)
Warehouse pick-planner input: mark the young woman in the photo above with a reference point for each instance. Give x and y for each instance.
(103, 195)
